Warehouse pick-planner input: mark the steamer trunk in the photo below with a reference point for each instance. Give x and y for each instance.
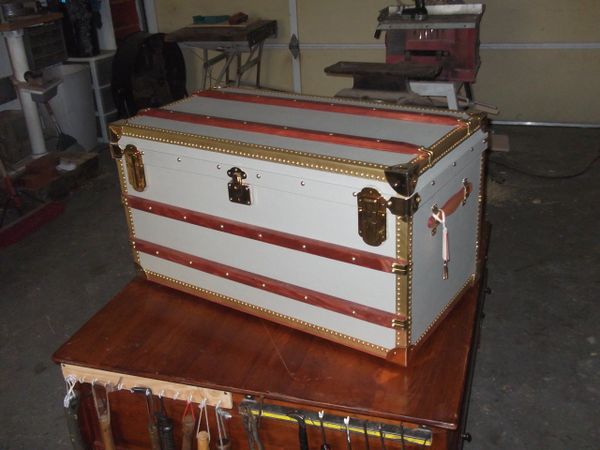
(312, 212)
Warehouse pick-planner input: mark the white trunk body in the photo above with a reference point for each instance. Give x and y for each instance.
(307, 201)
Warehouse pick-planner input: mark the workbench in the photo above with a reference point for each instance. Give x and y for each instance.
(158, 333)
(230, 42)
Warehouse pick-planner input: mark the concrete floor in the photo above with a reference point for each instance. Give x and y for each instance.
(537, 381)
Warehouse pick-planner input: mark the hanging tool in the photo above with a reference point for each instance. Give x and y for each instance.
(165, 428)
(103, 411)
(347, 424)
(402, 436)
(71, 405)
(251, 427)
(302, 435)
(224, 443)
(152, 428)
(202, 437)
(187, 425)
(324, 444)
(366, 434)
(381, 437)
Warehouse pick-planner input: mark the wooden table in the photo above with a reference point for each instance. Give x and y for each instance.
(159, 333)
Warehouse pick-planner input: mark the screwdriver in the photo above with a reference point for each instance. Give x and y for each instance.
(324, 445)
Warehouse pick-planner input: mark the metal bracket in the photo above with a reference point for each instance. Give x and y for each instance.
(238, 191)
(294, 46)
(404, 207)
(403, 178)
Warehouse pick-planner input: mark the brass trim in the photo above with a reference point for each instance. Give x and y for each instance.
(254, 151)
(135, 167)
(403, 243)
(372, 216)
(480, 202)
(127, 209)
(269, 315)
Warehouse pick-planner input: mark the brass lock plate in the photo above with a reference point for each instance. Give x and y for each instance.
(238, 191)
(135, 167)
(372, 212)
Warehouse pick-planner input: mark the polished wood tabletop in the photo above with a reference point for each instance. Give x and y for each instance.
(156, 332)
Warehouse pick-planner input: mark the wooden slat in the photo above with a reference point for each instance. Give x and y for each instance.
(330, 107)
(288, 132)
(293, 242)
(308, 296)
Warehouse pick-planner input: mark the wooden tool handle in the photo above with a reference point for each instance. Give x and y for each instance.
(106, 432)
(452, 204)
(187, 431)
(202, 440)
(154, 437)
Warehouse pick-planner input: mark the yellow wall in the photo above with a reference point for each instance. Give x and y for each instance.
(526, 84)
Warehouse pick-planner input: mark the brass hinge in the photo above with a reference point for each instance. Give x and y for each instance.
(400, 269)
(372, 212)
(400, 324)
(404, 207)
(135, 167)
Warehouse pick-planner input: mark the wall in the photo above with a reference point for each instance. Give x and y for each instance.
(540, 58)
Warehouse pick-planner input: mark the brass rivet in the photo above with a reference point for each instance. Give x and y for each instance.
(354, 258)
(304, 246)
(149, 208)
(305, 297)
(353, 312)
(330, 134)
(219, 166)
(221, 226)
(190, 263)
(263, 285)
(179, 159)
(258, 175)
(260, 235)
(302, 183)
(156, 252)
(184, 217)
(226, 274)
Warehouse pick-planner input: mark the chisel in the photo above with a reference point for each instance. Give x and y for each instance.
(103, 411)
(324, 444)
(152, 428)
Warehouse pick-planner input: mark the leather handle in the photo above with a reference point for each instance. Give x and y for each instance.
(154, 437)
(106, 432)
(203, 440)
(452, 204)
(187, 431)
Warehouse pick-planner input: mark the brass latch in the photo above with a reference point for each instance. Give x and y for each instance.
(135, 167)
(372, 209)
(238, 191)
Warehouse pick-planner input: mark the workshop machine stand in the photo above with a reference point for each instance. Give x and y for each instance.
(160, 335)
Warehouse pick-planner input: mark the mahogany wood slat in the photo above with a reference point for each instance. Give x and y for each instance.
(339, 108)
(289, 132)
(279, 238)
(154, 331)
(342, 306)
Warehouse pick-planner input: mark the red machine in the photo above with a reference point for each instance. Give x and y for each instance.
(438, 35)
